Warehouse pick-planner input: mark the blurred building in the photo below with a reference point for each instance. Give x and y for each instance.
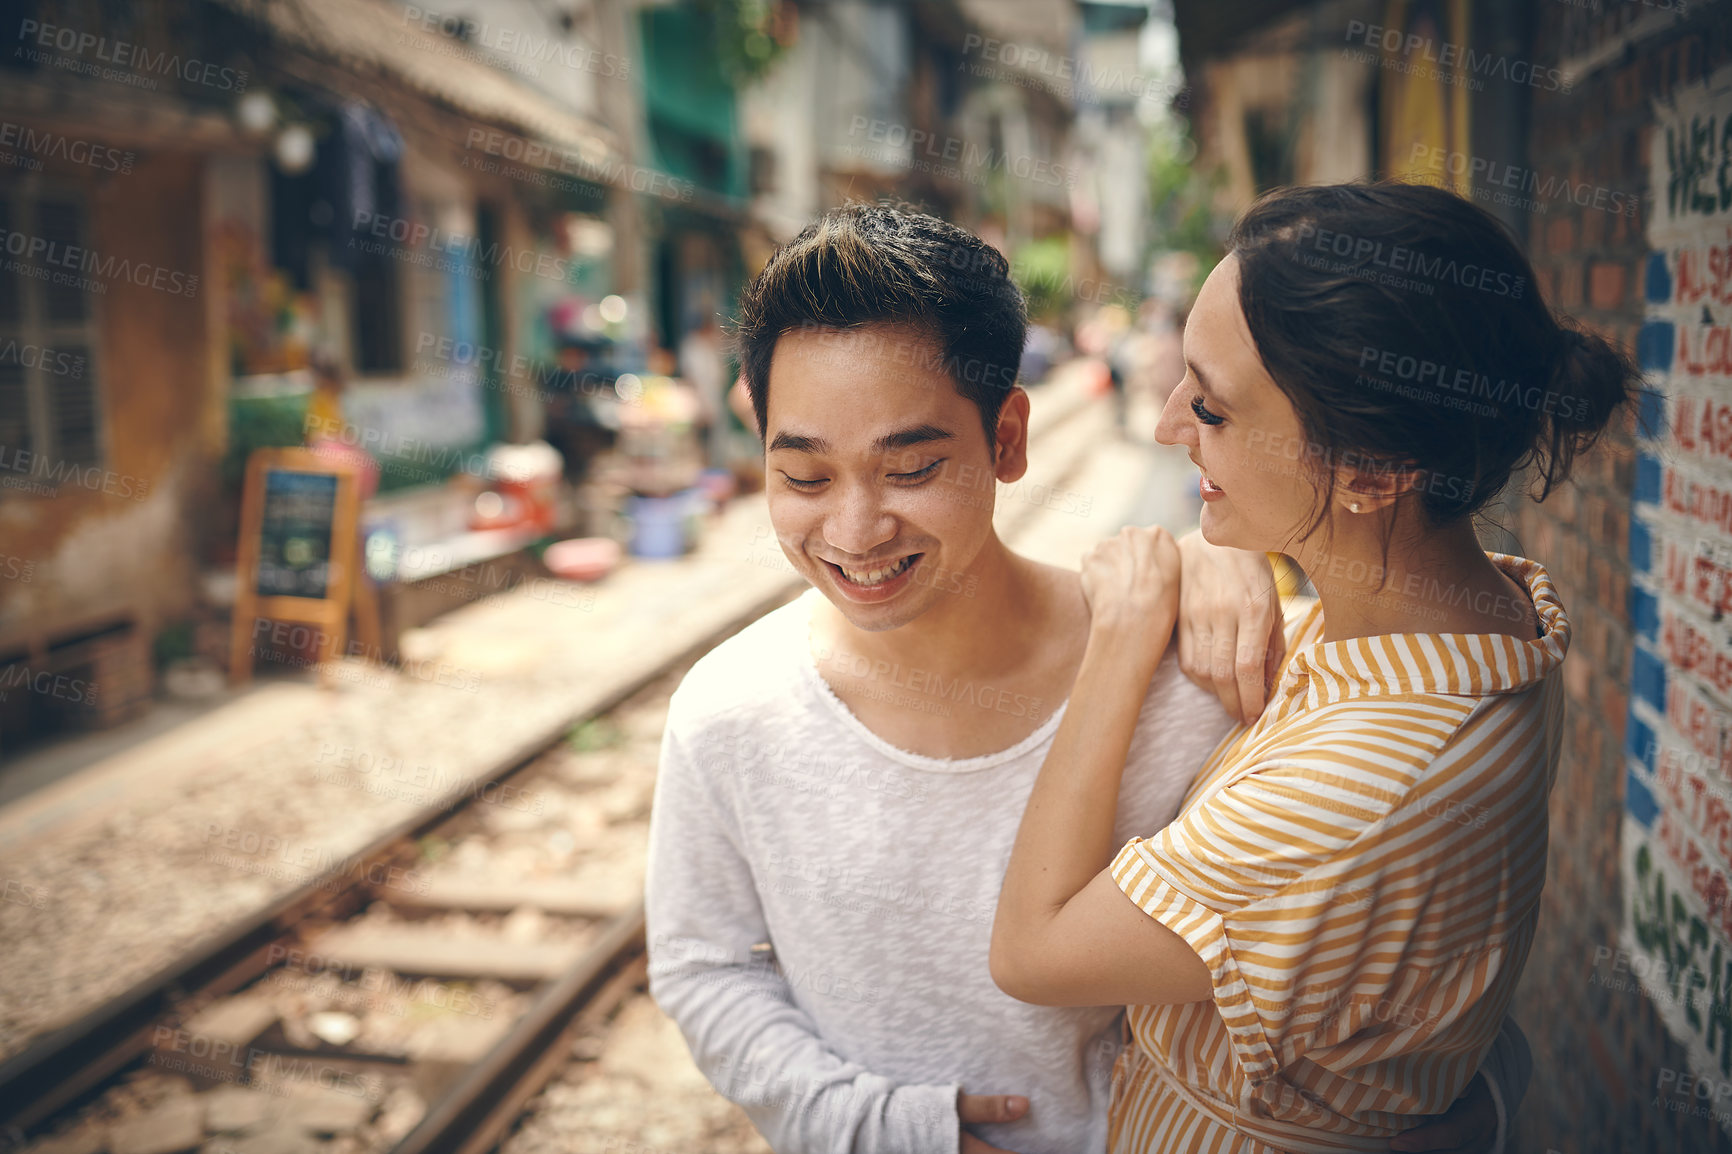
(929, 103)
(1114, 81)
(461, 208)
(202, 197)
(1597, 131)
(1289, 91)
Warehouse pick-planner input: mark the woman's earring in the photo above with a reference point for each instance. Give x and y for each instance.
(1354, 506)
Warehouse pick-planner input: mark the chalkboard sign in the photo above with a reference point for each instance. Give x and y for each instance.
(296, 559)
(295, 534)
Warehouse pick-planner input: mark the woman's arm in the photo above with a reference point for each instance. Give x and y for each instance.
(1064, 933)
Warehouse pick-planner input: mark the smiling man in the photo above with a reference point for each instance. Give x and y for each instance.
(841, 782)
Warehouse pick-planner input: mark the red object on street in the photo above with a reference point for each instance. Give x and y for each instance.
(526, 478)
(582, 558)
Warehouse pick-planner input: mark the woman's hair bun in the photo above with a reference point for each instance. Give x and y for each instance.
(1455, 368)
(1594, 377)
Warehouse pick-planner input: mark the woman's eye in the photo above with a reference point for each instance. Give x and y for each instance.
(1204, 415)
(803, 486)
(918, 475)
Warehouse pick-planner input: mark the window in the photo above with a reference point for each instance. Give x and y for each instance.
(378, 340)
(1268, 142)
(49, 397)
(317, 243)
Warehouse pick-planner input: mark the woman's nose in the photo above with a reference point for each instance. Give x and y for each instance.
(1177, 426)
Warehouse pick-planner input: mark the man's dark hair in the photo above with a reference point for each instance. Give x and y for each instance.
(869, 264)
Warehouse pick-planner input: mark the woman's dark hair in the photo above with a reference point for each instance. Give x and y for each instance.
(869, 264)
(1403, 323)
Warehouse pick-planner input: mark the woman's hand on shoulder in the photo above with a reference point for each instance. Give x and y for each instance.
(1131, 583)
(1231, 638)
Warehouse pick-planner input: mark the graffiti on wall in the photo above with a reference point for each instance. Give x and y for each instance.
(1677, 826)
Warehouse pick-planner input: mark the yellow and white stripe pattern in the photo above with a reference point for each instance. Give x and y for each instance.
(1361, 872)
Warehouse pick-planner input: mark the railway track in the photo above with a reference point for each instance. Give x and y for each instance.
(411, 999)
(407, 999)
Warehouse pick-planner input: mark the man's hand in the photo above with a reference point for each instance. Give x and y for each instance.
(1470, 1127)
(987, 1108)
(1230, 631)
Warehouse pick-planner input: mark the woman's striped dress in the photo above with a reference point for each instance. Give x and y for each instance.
(1361, 872)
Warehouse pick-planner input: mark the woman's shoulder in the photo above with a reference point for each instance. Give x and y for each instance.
(1301, 618)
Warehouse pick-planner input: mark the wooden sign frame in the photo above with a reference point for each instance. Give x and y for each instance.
(345, 585)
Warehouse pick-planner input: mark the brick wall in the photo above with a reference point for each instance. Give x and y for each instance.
(1597, 1051)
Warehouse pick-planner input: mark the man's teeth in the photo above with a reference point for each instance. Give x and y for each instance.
(877, 576)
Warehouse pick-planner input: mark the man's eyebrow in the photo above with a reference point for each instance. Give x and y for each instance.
(799, 443)
(907, 438)
(900, 439)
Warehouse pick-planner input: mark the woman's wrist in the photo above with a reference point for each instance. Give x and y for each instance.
(1124, 646)
(1146, 629)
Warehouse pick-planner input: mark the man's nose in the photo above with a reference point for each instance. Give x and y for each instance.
(859, 522)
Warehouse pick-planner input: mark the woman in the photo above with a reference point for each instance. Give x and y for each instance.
(1318, 952)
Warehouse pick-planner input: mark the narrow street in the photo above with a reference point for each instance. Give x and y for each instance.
(273, 785)
(394, 399)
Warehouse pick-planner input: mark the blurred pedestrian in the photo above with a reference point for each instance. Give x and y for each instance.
(1165, 326)
(1121, 370)
(328, 432)
(703, 366)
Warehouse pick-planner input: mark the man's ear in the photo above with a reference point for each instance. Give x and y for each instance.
(1010, 450)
